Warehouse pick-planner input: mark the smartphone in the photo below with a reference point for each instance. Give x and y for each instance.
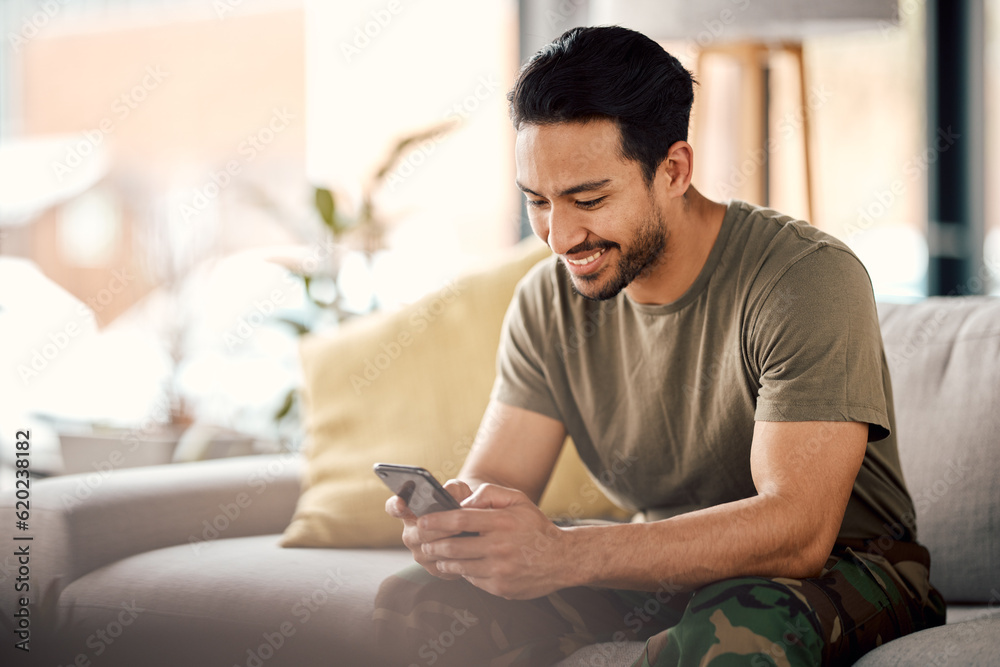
(417, 487)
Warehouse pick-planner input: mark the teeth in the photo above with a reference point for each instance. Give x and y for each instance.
(586, 260)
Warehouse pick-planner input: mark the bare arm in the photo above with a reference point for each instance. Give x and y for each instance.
(803, 472)
(515, 448)
(788, 529)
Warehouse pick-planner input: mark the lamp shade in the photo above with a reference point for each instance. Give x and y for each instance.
(734, 20)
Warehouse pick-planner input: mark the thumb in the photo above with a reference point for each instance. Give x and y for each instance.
(458, 489)
(491, 496)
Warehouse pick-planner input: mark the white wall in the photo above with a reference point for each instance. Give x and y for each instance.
(377, 70)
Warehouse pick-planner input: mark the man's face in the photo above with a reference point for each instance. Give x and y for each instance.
(590, 205)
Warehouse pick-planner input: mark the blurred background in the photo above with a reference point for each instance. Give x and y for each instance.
(188, 186)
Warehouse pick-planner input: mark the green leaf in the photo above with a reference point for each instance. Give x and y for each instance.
(300, 328)
(286, 405)
(404, 145)
(327, 208)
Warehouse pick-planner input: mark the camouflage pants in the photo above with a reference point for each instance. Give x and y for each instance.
(864, 597)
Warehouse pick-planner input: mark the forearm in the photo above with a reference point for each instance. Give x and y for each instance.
(475, 473)
(514, 448)
(762, 535)
(477, 478)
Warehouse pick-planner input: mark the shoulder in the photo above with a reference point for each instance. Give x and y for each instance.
(781, 251)
(791, 275)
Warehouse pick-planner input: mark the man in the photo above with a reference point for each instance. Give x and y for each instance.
(731, 388)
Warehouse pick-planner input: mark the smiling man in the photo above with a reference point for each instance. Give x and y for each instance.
(734, 395)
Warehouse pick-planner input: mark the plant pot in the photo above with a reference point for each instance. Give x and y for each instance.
(105, 450)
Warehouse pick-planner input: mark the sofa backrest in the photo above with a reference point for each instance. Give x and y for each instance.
(944, 357)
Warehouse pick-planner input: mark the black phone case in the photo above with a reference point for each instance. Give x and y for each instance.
(419, 490)
(417, 487)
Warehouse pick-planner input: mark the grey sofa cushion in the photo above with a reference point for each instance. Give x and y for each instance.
(155, 507)
(943, 356)
(226, 601)
(959, 613)
(967, 644)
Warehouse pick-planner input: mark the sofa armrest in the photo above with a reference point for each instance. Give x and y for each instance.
(82, 522)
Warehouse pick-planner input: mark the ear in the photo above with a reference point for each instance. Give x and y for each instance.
(677, 169)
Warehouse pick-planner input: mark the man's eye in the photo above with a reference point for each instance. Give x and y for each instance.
(535, 203)
(593, 203)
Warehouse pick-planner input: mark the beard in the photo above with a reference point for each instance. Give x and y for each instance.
(635, 262)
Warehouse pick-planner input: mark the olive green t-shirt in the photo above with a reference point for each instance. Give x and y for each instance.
(660, 400)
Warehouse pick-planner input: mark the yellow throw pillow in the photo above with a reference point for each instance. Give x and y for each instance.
(411, 387)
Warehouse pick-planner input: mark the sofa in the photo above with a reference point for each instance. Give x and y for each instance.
(183, 565)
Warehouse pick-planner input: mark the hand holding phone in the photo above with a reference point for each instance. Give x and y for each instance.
(418, 488)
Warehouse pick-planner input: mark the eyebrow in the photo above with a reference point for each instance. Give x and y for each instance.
(576, 189)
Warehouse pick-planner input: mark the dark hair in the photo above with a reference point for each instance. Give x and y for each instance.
(608, 72)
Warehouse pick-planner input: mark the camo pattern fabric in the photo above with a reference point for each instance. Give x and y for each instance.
(865, 596)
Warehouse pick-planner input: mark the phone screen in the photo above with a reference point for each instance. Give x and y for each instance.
(417, 487)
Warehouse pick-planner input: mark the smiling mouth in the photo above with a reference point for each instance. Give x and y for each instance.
(586, 260)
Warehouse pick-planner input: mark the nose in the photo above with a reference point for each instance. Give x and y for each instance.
(561, 229)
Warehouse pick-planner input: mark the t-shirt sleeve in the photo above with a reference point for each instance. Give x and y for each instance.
(521, 373)
(816, 345)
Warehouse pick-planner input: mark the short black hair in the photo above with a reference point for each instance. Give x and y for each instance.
(608, 72)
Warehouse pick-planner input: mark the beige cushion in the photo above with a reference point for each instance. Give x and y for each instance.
(410, 387)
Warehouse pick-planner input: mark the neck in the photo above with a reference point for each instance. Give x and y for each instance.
(693, 223)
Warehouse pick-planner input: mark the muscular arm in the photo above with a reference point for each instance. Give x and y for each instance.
(514, 448)
(803, 472)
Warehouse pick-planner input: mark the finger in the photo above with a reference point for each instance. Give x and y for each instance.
(480, 568)
(411, 540)
(429, 563)
(432, 569)
(428, 535)
(492, 496)
(458, 489)
(395, 507)
(456, 548)
(453, 522)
